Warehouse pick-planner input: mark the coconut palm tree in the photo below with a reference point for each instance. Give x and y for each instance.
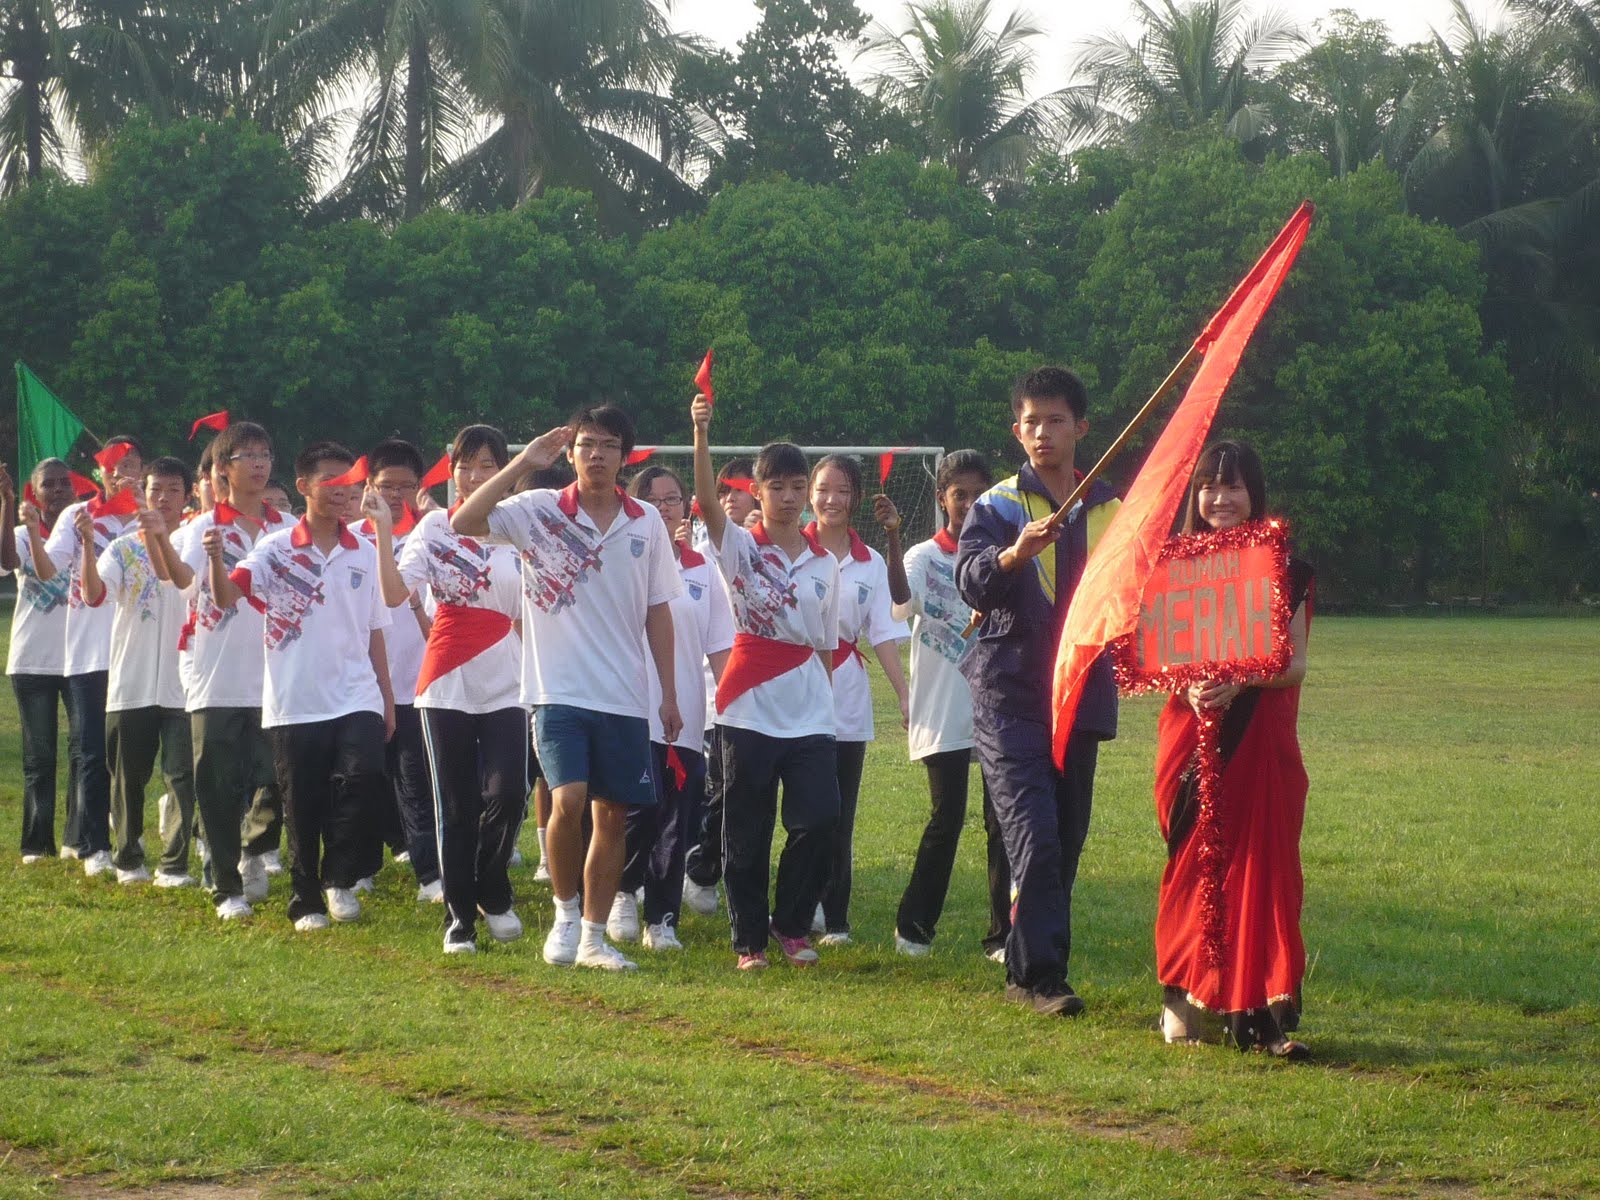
(1190, 66)
(961, 83)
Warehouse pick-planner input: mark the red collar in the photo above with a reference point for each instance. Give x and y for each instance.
(858, 548)
(567, 501)
(688, 557)
(944, 541)
(764, 539)
(300, 535)
(226, 514)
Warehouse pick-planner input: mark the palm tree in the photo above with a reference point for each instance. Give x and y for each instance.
(587, 103)
(1191, 66)
(70, 75)
(961, 85)
(418, 63)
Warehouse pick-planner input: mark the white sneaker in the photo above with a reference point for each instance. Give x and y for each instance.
(623, 923)
(459, 947)
(431, 893)
(998, 954)
(603, 957)
(30, 859)
(342, 904)
(253, 874)
(273, 861)
(541, 873)
(561, 943)
(234, 907)
(819, 923)
(68, 852)
(904, 945)
(312, 921)
(403, 857)
(839, 938)
(503, 927)
(137, 875)
(97, 863)
(661, 937)
(165, 879)
(364, 884)
(699, 898)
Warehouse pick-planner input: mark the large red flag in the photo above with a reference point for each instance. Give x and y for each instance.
(1106, 603)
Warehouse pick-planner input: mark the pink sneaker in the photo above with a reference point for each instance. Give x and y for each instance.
(797, 950)
(753, 962)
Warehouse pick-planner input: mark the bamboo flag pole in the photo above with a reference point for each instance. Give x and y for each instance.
(1116, 447)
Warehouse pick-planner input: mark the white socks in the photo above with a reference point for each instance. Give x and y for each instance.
(542, 854)
(568, 910)
(594, 935)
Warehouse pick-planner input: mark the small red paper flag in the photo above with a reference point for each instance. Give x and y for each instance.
(29, 496)
(112, 455)
(702, 379)
(82, 485)
(216, 422)
(680, 773)
(640, 455)
(1106, 603)
(736, 483)
(356, 474)
(694, 507)
(123, 504)
(438, 473)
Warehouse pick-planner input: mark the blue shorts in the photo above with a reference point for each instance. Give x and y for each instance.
(608, 752)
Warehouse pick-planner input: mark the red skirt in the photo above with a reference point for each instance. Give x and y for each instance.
(1259, 811)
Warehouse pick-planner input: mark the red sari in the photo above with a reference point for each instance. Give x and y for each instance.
(1249, 967)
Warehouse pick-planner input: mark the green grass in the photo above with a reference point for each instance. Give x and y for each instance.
(1452, 916)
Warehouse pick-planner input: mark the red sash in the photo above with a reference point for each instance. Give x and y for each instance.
(843, 651)
(753, 661)
(459, 634)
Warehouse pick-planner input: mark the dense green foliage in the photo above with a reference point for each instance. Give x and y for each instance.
(514, 230)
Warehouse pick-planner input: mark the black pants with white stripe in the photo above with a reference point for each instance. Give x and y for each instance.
(478, 764)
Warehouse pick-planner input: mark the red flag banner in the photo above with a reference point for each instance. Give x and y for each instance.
(642, 454)
(216, 422)
(702, 379)
(82, 485)
(109, 457)
(1106, 604)
(356, 474)
(437, 474)
(123, 504)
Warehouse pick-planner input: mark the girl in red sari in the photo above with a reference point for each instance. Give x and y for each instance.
(1248, 987)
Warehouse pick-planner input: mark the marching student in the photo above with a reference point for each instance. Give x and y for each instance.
(327, 705)
(394, 472)
(864, 611)
(235, 785)
(774, 701)
(36, 658)
(702, 629)
(277, 495)
(940, 729)
(474, 729)
(144, 697)
(1018, 570)
(597, 568)
(84, 530)
(703, 862)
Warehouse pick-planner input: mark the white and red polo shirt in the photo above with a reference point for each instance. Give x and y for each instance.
(225, 667)
(585, 593)
(404, 640)
(865, 611)
(778, 601)
(88, 630)
(318, 612)
(702, 625)
(147, 615)
(480, 670)
(39, 624)
(941, 700)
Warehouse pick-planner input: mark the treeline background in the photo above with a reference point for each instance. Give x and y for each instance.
(358, 217)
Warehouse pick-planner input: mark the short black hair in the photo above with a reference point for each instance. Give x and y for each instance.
(45, 464)
(735, 468)
(608, 418)
(852, 472)
(1050, 383)
(780, 460)
(395, 452)
(206, 456)
(170, 468)
(237, 435)
(640, 485)
(319, 452)
(474, 438)
(962, 462)
(126, 439)
(557, 475)
(1226, 462)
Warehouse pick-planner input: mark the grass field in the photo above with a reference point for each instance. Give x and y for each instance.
(1452, 917)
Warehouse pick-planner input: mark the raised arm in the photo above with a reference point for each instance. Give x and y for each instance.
(888, 516)
(705, 479)
(395, 592)
(89, 582)
(472, 518)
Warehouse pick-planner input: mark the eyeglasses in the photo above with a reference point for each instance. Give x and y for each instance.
(251, 456)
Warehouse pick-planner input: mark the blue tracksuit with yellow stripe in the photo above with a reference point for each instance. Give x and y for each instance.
(1043, 813)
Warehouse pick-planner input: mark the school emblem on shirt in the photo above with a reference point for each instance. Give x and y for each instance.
(636, 544)
(356, 576)
(862, 593)
(696, 591)
(822, 589)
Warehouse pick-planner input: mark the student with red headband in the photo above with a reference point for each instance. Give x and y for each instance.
(474, 728)
(36, 658)
(774, 701)
(84, 530)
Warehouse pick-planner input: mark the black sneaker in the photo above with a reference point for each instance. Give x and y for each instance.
(1049, 999)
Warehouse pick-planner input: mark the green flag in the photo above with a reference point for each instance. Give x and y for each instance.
(45, 427)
